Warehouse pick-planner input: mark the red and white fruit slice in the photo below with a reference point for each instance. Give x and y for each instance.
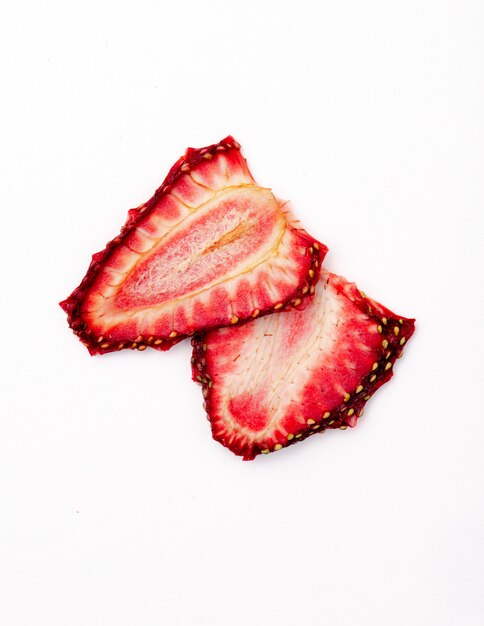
(210, 248)
(275, 381)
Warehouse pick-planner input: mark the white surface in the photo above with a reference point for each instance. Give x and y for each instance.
(116, 507)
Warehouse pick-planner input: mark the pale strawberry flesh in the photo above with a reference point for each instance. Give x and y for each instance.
(211, 248)
(277, 380)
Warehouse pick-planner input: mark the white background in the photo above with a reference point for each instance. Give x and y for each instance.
(116, 507)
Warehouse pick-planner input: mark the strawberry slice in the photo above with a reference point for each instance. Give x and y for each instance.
(277, 380)
(210, 248)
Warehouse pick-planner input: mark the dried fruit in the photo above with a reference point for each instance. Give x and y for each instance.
(210, 248)
(277, 380)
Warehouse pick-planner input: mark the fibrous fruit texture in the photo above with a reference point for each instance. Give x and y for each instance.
(277, 380)
(283, 349)
(210, 248)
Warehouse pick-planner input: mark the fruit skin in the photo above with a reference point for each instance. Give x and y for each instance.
(387, 333)
(193, 159)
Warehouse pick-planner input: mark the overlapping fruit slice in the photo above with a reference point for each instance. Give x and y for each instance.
(277, 380)
(210, 248)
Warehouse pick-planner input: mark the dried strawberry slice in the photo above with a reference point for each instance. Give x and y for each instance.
(277, 380)
(210, 248)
